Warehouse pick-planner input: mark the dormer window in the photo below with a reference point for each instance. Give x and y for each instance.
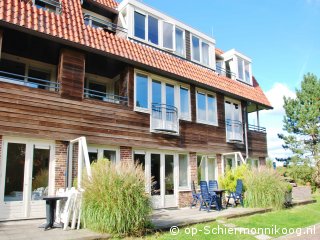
(244, 70)
(200, 51)
(158, 32)
(238, 66)
(49, 5)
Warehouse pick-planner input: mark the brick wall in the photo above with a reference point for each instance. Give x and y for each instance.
(60, 163)
(126, 154)
(75, 161)
(185, 197)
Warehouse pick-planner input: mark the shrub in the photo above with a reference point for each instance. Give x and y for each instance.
(265, 188)
(301, 174)
(41, 179)
(229, 180)
(115, 200)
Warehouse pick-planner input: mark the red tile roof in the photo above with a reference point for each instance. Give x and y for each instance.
(70, 26)
(219, 51)
(107, 3)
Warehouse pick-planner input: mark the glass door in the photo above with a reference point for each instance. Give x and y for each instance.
(24, 179)
(162, 179)
(233, 121)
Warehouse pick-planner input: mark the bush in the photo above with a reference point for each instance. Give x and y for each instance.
(229, 180)
(265, 188)
(115, 200)
(301, 174)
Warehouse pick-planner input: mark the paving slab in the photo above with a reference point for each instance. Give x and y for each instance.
(29, 230)
(166, 218)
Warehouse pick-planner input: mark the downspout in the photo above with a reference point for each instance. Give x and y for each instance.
(246, 133)
(66, 175)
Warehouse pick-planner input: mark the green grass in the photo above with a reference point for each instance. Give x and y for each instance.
(296, 217)
(203, 232)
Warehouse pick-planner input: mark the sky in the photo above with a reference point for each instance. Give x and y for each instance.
(282, 37)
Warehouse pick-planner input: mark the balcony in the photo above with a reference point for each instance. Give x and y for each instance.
(164, 119)
(223, 72)
(255, 128)
(103, 24)
(234, 131)
(105, 97)
(28, 81)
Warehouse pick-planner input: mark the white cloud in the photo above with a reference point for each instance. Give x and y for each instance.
(272, 119)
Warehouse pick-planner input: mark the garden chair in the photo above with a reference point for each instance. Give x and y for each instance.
(237, 195)
(207, 199)
(213, 185)
(196, 197)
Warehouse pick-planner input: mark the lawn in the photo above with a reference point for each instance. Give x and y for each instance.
(201, 231)
(296, 217)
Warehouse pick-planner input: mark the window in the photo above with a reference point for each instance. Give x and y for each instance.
(184, 103)
(156, 92)
(110, 155)
(200, 51)
(98, 91)
(195, 48)
(167, 35)
(139, 25)
(183, 170)
(206, 168)
(50, 5)
(228, 68)
(205, 53)
(153, 30)
(25, 72)
(141, 91)
(244, 70)
(38, 77)
(206, 108)
(179, 42)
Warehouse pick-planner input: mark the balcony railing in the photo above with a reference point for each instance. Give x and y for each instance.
(28, 81)
(224, 72)
(52, 5)
(257, 128)
(106, 97)
(164, 118)
(234, 130)
(100, 23)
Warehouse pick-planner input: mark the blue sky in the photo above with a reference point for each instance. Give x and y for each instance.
(282, 37)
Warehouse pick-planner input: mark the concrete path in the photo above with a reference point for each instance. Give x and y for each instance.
(166, 218)
(28, 230)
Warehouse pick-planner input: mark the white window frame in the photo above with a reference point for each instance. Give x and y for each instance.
(188, 187)
(216, 172)
(233, 101)
(183, 40)
(200, 48)
(164, 81)
(188, 118)
(243, 63)
(160, 32)
(206, 93)
(99, 150)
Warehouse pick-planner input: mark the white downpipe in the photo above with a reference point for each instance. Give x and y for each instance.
(246, 139)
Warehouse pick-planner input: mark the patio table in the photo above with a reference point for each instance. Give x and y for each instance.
(219, 192)
(51, 203)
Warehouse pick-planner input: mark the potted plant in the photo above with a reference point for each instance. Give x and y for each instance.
(288, 195)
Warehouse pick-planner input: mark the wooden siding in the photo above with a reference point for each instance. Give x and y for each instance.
(71, 73)
(39, 113)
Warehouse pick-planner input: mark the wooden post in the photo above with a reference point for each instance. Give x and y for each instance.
(71, 74)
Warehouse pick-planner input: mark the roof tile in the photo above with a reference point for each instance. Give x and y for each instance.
(69, 25)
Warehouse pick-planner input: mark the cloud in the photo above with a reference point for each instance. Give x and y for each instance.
(272, 119)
